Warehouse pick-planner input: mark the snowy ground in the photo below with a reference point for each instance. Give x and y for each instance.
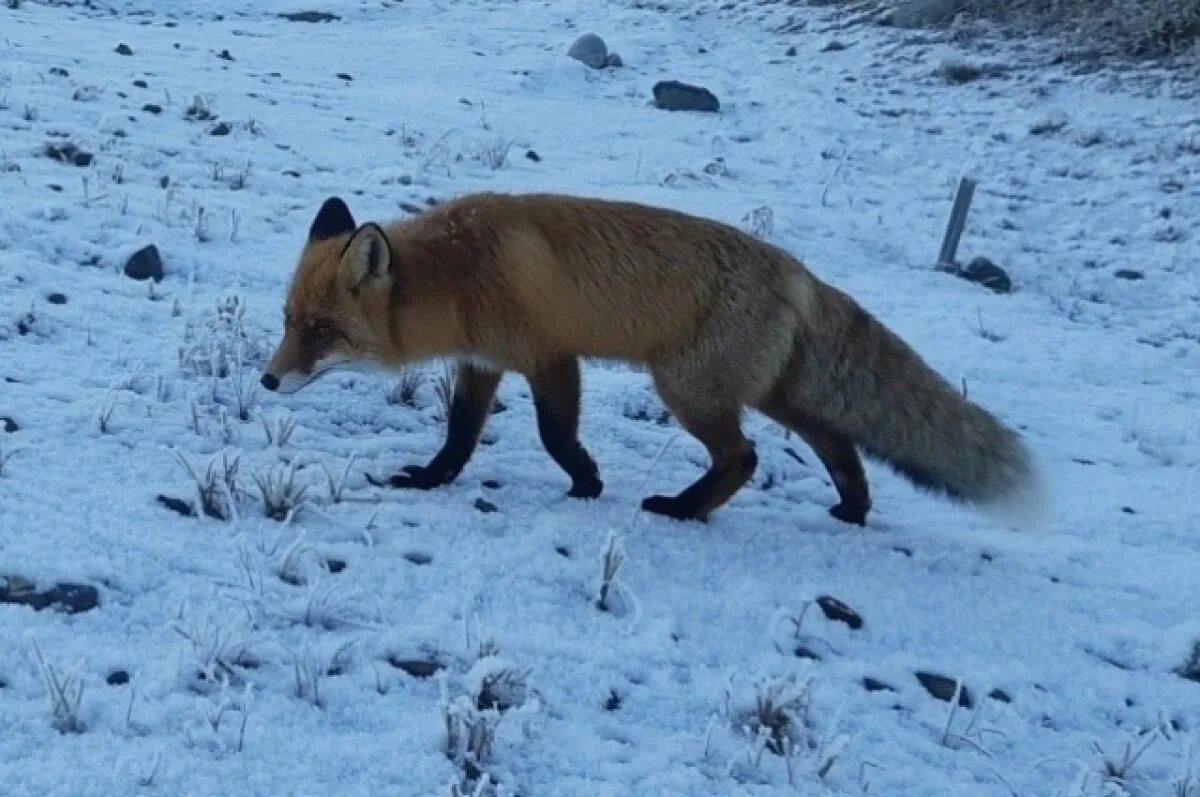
(855, 150)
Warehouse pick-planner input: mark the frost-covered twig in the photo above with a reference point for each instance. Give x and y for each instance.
(613, 558)
(281, 494)
(338, 486)
(65, 696)
(278, 429)
(217, 488)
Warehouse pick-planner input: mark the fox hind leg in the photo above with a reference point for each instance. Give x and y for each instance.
(556, 396)
(836, 452)
(733, 457)
(470, 406)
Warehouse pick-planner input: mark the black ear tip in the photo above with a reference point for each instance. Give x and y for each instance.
(333, 219)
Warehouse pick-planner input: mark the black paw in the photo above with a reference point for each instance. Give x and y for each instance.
(590, 487)
(849, 514)
(671, 507)
(416, 477)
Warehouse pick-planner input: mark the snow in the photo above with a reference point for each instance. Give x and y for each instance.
(855, 152)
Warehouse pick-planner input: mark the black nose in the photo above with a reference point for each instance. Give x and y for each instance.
(270, 382)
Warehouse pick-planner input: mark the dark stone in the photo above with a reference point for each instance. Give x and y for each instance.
(533, 156)
(177, 505)
(791, 52)
(56, 298)
(66, 152)
(1000, 695)
(224, 55)
(1128, 510)
(221, 129)
(804, 652)
(671, 95)
(834, 46)
(345, 76)
(58, 71)
(69, 598)
(1129, 274)
(942, 688)
(310, 16)
(417, 668)
(123, 49)
(562, 551)
(164, 181)
(875, 685)
(986, 273)
(117, 678)
(145, 264)
(141, 84)
(491, 484)
(418, 558)
(152, 107)
(335, 565)
(613, 703)
(1191, 669)
(835, 610)
(485, 506)
(8, 424)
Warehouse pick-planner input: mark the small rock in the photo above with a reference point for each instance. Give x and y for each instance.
(1191, 669)
(117, 678)
(533, 156)
(221, 129)
(875, 685)
(164, 181)
(408, 207)
(177, 505)
(417, 668)
(562, 551)
(491, 484)
(141, 84)
(1000, 695)
(123, 49)
(958, 72)
(145, 264)
(613, 703)
(835, 46)
(672, 95)
(791, 52)
(418, 558)
(1128, 510)
(835, 610)
(591, 50)
(66, 152)
(485, 506)
(345, 76)
(986, 273)
(58, 71)
(805, 652)
(225, 55)
(71, 598)
(8, 424)
(1130, 274)
(335, 565)
(925, 13)
(942, 688)
(152, 107)
(310, 16)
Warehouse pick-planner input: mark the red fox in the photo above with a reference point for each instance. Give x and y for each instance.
(531, 283)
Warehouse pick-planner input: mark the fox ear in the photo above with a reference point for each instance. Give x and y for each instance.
(333, 219)
(367, 257)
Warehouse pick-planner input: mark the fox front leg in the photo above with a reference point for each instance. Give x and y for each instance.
(469, 409)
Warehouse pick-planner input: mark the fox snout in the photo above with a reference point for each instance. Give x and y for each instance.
(270, 381)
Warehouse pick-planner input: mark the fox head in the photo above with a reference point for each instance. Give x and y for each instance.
(336, 309)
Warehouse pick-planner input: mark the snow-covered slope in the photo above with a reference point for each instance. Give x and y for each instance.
(259, 654)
